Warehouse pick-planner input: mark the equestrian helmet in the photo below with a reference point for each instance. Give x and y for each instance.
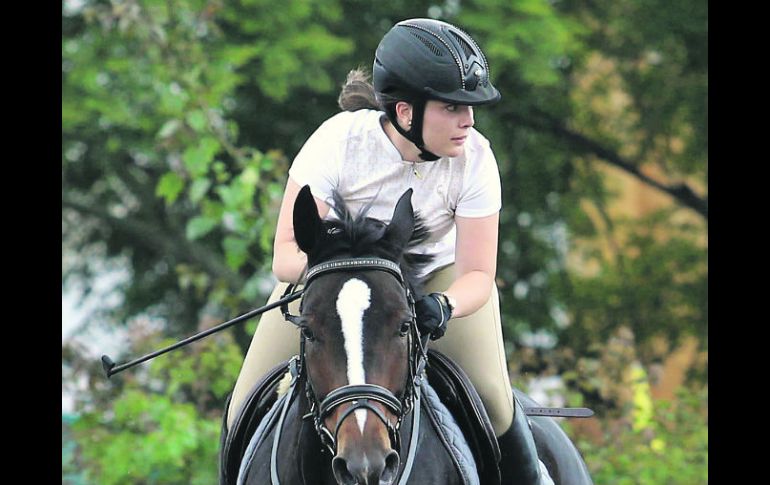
(430, 59)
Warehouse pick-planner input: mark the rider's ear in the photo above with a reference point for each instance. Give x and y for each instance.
(307, 222)
(402, 225)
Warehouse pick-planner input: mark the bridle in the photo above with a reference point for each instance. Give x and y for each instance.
(361, 396)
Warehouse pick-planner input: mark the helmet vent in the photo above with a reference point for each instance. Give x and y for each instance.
(430, 45)
(467, 49)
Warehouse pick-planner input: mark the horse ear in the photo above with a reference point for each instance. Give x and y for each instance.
(307, 222)
(401, 225)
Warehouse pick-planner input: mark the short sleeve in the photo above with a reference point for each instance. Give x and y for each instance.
(318, 162)
(481, 194)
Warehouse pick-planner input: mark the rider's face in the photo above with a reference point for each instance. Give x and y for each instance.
(446, 127)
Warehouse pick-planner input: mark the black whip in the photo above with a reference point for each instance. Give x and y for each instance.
(110, 368)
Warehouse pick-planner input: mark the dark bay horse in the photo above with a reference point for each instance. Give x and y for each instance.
(353, 412)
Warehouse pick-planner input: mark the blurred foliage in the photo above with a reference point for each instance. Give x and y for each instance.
(160, 424)
(671, 449)
(177, 444)
(179, 122)
(654, 287)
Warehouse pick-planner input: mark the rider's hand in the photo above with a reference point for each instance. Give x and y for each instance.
(433, 313)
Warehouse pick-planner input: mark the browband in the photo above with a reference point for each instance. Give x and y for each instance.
(352, 264)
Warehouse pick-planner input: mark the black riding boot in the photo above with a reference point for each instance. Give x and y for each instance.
(518, 456)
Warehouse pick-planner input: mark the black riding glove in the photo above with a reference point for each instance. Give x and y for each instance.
(433, 313)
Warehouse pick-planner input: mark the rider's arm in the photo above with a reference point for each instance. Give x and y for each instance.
(475, 262)
(288, 261)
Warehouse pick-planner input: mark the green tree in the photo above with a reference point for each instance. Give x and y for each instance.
(159, 425)
(153, 167)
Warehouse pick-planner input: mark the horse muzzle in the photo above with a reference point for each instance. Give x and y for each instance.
(366, 468)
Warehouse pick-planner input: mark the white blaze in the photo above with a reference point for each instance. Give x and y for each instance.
(352, 302)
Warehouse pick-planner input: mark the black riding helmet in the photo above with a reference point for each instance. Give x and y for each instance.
(422, 59)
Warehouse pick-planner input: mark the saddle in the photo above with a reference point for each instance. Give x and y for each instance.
(447, 379)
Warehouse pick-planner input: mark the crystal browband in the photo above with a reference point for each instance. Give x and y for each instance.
(354, 264)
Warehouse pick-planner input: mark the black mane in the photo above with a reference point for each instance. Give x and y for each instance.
(357, 235)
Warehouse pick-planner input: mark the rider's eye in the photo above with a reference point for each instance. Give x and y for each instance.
(307, 333)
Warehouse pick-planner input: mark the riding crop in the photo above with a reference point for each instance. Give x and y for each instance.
(110, 368)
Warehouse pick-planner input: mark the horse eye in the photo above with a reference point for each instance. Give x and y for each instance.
(405, 326)
(307, 333)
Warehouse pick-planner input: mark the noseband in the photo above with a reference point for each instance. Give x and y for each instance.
(361, 396)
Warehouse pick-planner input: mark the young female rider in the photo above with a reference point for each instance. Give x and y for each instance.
(428, 76)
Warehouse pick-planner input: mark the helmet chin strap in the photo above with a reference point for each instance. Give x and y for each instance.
(415, 132)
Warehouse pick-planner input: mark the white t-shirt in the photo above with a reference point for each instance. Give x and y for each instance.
(351, 153)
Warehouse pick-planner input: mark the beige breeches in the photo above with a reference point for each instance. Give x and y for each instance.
(474, 342)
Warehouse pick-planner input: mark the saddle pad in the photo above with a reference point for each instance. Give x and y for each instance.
(456, 443)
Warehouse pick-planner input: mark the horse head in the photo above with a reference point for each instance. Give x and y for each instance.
(358, 328)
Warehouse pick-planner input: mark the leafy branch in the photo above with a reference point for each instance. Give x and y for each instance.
(681, 192)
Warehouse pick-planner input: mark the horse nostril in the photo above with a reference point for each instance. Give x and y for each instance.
(341, 472)
(383, 472)
(390, 471)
